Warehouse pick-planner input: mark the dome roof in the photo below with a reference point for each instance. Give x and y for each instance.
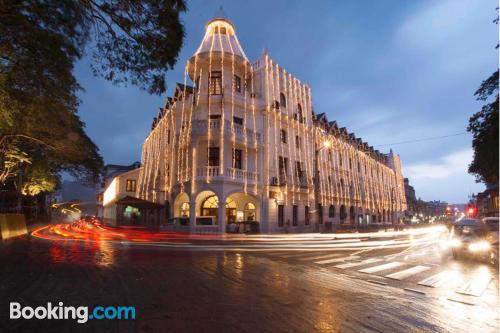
(220, 36)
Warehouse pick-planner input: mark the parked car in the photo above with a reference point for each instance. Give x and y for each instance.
(491, 224)
(469, 238)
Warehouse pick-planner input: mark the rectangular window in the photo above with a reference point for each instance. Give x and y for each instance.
(281, 215)
(130, 185)
(236, 83)
(283, 136)
(215, 83)
(306, 215)
(213, 156)
(297, 142)
(295, 215)
(215, 116)
(238, 120)
(237, 159)
(320, 214)
(299, 172)
(283, 166)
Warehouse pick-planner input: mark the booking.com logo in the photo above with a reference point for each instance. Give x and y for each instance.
(81, 314)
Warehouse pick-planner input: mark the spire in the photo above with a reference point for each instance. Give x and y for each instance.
(220, 14)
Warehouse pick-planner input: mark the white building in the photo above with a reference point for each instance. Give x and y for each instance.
(245, 134)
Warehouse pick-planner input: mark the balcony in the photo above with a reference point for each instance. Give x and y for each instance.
(231, 174)
(200, 128)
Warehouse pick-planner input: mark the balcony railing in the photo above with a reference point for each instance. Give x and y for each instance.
(230, 174)
(200, 127)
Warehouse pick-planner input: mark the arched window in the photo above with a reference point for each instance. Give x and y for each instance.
(331, 211)
(282, 100)
(209, 206)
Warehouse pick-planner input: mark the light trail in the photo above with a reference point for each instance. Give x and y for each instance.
(92, 231)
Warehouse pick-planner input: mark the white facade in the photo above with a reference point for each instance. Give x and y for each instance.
(245, 134)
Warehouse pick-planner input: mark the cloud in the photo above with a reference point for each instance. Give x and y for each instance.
(451, 165)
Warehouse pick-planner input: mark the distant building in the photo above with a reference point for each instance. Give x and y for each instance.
(487, 201)
(411, 198)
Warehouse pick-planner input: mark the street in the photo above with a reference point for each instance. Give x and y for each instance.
(379, 282)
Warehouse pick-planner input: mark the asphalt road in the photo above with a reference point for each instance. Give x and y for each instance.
(399, 282)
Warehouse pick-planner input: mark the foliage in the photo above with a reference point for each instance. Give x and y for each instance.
(41, 134)
(484, 127)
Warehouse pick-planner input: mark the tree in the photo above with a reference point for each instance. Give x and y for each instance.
(41, 134)
(484, 128)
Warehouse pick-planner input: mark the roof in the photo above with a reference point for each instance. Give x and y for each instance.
(220, 36)
(139, 203)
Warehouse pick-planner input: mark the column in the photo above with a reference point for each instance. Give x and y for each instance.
(222, 217)
(192, 216)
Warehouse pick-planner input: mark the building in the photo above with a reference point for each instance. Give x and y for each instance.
(487, 201)
(245, 134)
(118, 202)
(411, 198)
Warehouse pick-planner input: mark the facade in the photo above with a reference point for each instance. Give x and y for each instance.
(487, 201)
(242, 146)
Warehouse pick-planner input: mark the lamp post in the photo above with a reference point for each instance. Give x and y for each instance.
(326, 144)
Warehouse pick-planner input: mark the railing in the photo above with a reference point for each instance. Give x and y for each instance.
(230, 174)
(200, 127)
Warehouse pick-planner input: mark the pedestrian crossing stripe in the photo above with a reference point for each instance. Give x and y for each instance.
(329, 261)
(476, 286)
(382, 267)
(406, 273)
(359, 263)
(292, 255)
(440, 278)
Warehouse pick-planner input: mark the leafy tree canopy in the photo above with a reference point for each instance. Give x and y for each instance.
(40, 40)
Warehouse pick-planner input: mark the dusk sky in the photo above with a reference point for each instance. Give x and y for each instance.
(389, 71)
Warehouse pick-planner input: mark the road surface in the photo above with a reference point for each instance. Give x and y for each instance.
(382, 282)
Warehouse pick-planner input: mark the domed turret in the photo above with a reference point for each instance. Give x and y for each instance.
(220, 36)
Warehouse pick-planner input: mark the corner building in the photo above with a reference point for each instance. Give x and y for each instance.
(238, 144)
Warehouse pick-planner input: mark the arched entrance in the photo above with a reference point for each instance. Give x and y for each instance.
(352, 214)
(207, 204)
(242, 207)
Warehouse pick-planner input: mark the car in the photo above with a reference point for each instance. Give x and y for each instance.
(469, 238)
(492, 224)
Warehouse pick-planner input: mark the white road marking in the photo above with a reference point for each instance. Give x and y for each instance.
(329, 261)
(440, 278)
(359, 263)
(325, 256)
(401, 275)
(382, 267)
(476, 286)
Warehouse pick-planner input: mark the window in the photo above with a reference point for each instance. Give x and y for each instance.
(249, 212)
(236, 83)
(331, 211)
(238, 120)
(215, 116)
(300, 117)
(223, 30)
(359, 167)
(283, 166)
(282, 100)
(299, 172)
(283, 136)
(320, 214)
(213, 156)
(297, 142)
(237, 159)
(130, 185)
(295, 215)
(340, 159)
(215, 83)
(329, 156)
(281, 215)
(350, 163)
(306, 215)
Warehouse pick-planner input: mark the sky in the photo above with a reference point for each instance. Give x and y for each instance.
(389, 71)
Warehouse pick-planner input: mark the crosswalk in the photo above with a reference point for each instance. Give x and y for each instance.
(424, 275)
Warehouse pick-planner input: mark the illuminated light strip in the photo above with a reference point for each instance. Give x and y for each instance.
(268, 114)
(172, 147)
(279, 111)
(233, 134)
(296, 180)
(209, 95)
(182, 130)
(223, 112)
(289, 133)
(287, 121)
(275, 134)
(245, 134)
(255, 143)
(305, 131)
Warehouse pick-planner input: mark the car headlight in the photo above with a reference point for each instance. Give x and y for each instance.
(479, 246)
